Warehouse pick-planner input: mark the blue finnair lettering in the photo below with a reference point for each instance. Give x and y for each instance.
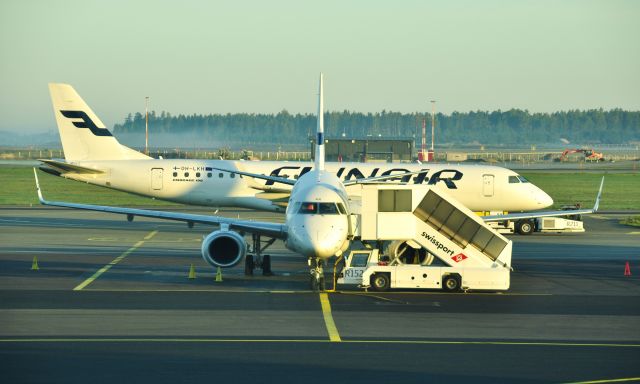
(446, 176)
(85, 123)
(449, 181)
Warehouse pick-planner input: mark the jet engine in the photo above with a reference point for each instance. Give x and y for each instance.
(223, 248)
(408, 252)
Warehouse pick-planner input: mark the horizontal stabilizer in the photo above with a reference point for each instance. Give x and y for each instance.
(64, 167)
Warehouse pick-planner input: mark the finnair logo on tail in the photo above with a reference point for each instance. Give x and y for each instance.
(320, 138)
(85, 123)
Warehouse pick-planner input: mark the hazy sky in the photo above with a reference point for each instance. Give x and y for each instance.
(265, 56)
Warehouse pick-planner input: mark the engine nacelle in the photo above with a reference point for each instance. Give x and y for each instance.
(223, 249)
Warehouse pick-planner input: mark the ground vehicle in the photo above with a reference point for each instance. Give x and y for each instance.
(540, 224)
(589, 154)
(367, 268)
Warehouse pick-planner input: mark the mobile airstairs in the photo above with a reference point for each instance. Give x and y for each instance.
(430, 241)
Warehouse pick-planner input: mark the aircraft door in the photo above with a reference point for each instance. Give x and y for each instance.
(487, 185)
(156, 179)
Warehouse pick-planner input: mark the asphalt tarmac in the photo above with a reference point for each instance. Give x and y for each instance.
(112, 301)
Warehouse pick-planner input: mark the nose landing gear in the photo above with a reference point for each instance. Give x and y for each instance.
(316, 274)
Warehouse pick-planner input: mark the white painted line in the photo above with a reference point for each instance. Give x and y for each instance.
(114, 262)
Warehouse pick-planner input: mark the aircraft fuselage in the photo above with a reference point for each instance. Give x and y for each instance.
(479, 187)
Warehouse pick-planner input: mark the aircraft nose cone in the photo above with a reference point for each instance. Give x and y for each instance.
(325, 243)
(544, 199)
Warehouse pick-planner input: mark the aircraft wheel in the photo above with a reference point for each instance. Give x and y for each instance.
(266, 265)
(380, 282)
(524, 227)
(451, 283)
(248, 265)
(316, 285)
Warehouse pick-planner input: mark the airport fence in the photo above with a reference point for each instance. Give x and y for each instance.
(224, 153)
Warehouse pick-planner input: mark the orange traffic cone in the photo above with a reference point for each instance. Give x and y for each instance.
(627, 269)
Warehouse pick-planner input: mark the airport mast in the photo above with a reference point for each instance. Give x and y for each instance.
(423, 146)
(433, 129)
(146, 124)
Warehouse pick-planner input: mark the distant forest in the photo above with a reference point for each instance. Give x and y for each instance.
(513, 127)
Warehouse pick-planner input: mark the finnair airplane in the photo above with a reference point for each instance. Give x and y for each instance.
(94, 156)
(317, 208)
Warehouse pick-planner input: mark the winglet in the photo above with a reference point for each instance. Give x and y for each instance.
(597, 204)
(35, 173)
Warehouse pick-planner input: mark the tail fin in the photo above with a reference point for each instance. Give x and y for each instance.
(83, 135)
(319, 160)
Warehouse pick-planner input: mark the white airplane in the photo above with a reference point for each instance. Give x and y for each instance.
(317, 207)
(94, 156)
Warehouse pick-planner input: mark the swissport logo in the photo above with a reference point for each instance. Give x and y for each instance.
(439, 245)
(459, 257)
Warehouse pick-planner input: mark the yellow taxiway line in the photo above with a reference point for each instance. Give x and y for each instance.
(334, 336)
(624, 380)
(114, 262)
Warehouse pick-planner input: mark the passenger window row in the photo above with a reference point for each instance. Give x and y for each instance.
(209, 174)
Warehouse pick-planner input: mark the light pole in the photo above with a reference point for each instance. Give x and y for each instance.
(433, 129)
(146, 124)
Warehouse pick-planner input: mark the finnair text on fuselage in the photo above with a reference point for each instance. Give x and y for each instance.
(447, 176)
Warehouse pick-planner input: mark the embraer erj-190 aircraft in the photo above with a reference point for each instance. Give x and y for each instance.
(94, 156)
(317, 205)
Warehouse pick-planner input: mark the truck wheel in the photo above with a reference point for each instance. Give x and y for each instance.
(451, 283)
(524, 227)
(380, 282)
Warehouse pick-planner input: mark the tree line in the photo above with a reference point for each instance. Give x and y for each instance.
(512, 127)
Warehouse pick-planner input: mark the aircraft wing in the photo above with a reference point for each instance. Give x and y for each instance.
(275, 179)
(376, 179)
(275, 230)
(533, 215)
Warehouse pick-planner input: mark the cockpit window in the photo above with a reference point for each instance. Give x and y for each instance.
(513, 179)
(328, 209)
(522, 179)
(308, 208)
(311, 208)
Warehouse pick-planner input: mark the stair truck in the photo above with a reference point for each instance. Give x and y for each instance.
(431, 241)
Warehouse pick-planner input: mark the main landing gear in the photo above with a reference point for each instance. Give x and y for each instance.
(316, 274)
(256, 259)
